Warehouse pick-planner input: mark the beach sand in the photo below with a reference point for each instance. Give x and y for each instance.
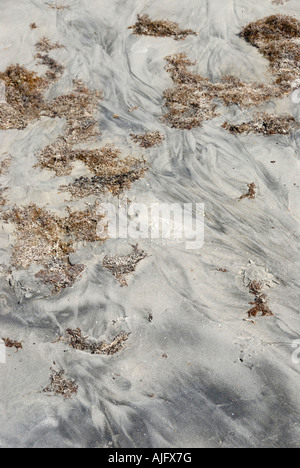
(195, 370)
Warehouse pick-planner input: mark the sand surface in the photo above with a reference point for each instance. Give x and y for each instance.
(193, 372)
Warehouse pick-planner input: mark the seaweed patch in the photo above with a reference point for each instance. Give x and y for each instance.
(260, 302)
(149, 139)
(45, 239)
(251, 192)
(76, 340)
(111, 172)
(264, 124)
(192, 99)
(123, 265)
(9, 343)
(24, 91)
(277, 39)
(159, 28)
(60, 385)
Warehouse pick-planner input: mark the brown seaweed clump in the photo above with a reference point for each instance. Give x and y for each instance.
(79, 109)
(265, 124)
(192, 99)
(277, 39)
(111, 172)
(123, 265)
(4, 166)
(9, 343)
(159, 28)
(260, 301)
(55, 69)
(149, 139)
(24, 91)
(251, 192)
(45, 45)
(76, 340)
(45, 239)
(55, 6)
(59, 385)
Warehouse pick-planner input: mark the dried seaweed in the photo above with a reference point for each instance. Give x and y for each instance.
(279, 2)
(13, 343)
(123, 265)
(45, 239)
(33, 26)
(149, 139)
(260, 301)
(277, 39)
(78, 108)
(159, 28)
(24, 97)
(266, 124)
(2, 196)
(251, 192)
(55, 69)
(55, 6)
(45, 45)
(60, 274)
(192, 99)
(111, 172)
(76, 340)
(4, 165)
(59, 385)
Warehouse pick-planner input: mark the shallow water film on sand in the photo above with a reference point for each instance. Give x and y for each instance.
(149, 209)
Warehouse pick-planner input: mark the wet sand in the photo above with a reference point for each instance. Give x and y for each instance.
(196, 370)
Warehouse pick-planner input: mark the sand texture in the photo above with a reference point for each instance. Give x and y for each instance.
(121, 342)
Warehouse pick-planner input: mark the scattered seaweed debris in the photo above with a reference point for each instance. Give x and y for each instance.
(192, 99)
(3, 200)
(25, 90)
(123, 265)
(59, 385)
(251, 192)
(13, 343)
(33, 26)
(111, 172)
(55, 6)
(78, 108)
(5, 165)
(260, 301)
(149, 139)
(266, 124)
(45, 239)
(76, 340)
(60, 273)
(159, 28)
(55, 69)
(45, 45)
(24, 97)
(279, 2)
(277, 39)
